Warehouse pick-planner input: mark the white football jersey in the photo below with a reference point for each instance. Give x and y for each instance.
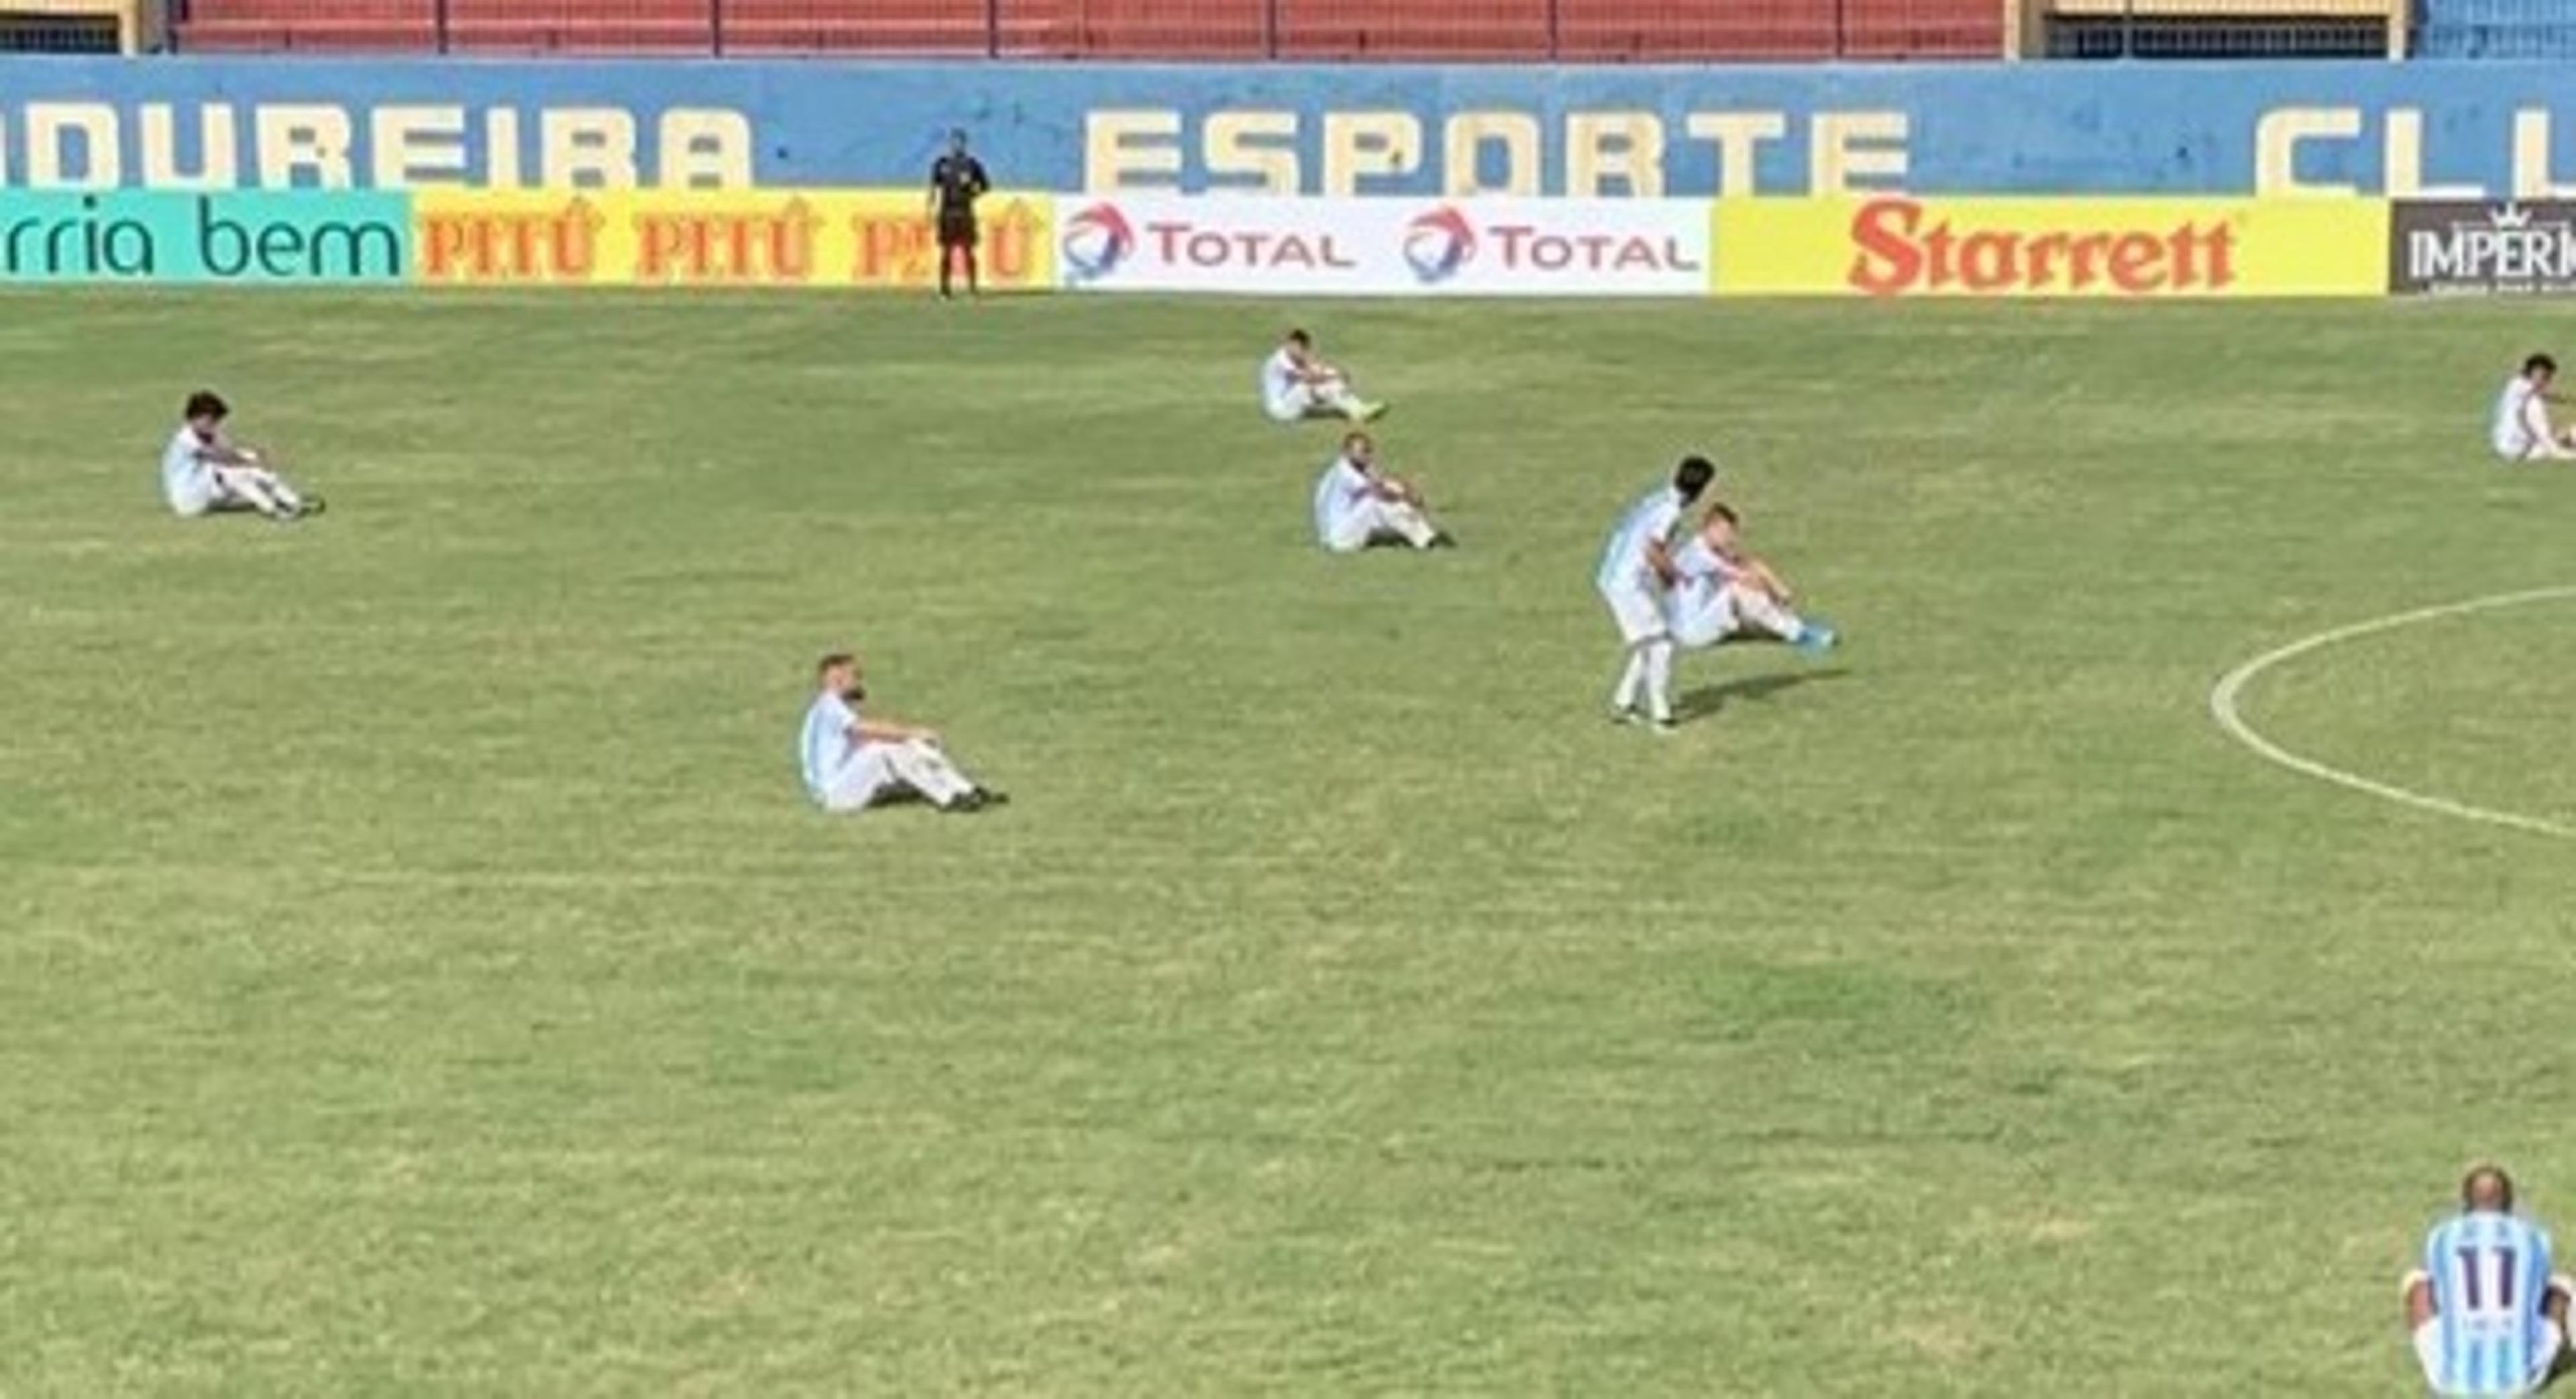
(2521, 419)
(1279, 375)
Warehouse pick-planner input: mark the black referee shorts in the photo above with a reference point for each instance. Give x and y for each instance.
(956, 230)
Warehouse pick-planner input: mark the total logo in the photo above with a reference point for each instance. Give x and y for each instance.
(1439, 244)
(1096, 241)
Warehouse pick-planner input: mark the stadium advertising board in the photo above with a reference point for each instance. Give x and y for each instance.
(2469, 247)
(2413, 130)
(1896, 246)
(879, 239)
(168, 236)
(1482, 247)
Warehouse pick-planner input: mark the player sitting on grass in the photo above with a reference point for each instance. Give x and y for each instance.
(1357, 505)
(1296, 385)
(1636, 571)
(1726, 593)
(2486, 1313)
(2521, 431)
(852, 763)
(203, 471)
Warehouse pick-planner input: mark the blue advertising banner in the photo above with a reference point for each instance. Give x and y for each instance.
(247, 236)
(2460, 131)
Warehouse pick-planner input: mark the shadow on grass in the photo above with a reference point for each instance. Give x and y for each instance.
(1708, 699)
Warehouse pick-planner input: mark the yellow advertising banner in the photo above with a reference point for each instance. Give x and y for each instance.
(1896, 245)
(719, 238)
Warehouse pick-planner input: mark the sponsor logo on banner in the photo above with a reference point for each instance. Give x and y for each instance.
(1096, 241)
(333, 236)
(737, 238)
(1437, 244)
(1499, 247)
(1900, 246)
(2448, 248)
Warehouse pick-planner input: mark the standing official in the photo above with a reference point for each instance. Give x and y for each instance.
(957, 180)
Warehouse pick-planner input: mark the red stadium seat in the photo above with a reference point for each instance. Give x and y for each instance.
(1462, 30)
(886, 26)
(1648, 31)
(580, 26)
(1639, 31)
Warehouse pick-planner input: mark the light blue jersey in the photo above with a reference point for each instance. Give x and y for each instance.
(1694, 600)
(1699, 561)
(187, 483)
(1339, 492)
(2490, 1278)
(1623, 563)
(826, 746)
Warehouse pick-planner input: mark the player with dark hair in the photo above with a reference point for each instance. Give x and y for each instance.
(1297, 384)
(1636, 572)
(2521, 430)
(203, 471)
(957, 180)
(851, 763)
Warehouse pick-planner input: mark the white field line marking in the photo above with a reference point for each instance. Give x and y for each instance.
(2223, 706)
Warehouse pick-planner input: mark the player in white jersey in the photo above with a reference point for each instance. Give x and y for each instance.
(2486, 1313)
(2521, 430)
(1724, 592)
(1297, 385)
(1357, 505)
(1636, 571)
(204, 471)
(851, 763)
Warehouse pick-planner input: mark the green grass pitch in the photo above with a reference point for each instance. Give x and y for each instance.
(419, 972)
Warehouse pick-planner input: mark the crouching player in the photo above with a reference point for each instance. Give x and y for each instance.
(204, 471)
(1297, 385)
(851, 763)
(1723, 593)
(1357, 505)
(2487, 1314)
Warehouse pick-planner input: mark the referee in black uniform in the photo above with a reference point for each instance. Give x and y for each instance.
(957, 180)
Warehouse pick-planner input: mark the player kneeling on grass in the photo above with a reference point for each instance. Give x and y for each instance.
(852, 763)
(1357, 505)
(203, 471)
(1725, 594)
(1296, 385)
(2522, 431)
(2486, 1313)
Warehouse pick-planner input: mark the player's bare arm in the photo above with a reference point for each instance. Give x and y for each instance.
(1660, 559)
(226, 452)
(888, 731)
(1768, 581)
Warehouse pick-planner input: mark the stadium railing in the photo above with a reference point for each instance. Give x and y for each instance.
(2495, 29)
(2209, 28)
(1507, 30)
(80, 26)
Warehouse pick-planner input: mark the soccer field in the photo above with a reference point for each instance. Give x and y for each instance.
(422, 973)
